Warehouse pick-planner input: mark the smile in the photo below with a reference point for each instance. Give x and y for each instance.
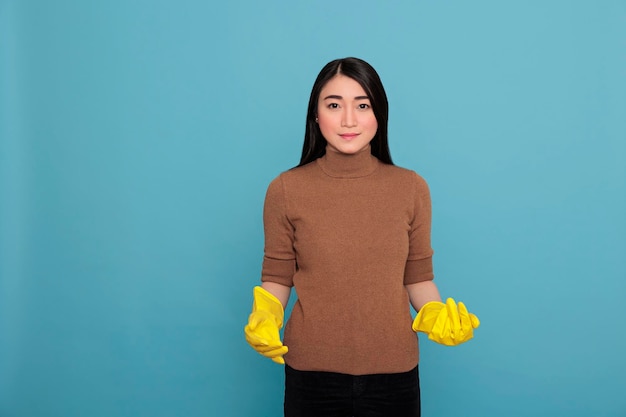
(349, 136)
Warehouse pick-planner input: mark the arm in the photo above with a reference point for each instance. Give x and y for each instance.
(447, 323)
(421, 293)
(279, 260)
(418, 273)
(282, 292)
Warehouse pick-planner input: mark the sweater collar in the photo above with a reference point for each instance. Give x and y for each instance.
(341, 165)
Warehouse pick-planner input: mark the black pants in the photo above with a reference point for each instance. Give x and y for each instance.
(329, 394)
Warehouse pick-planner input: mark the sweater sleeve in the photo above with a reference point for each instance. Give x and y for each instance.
(419, 265)
(279, 260)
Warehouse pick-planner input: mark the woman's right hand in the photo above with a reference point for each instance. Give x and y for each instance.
(264, 323)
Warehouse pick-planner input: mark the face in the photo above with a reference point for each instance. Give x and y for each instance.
(345, 115)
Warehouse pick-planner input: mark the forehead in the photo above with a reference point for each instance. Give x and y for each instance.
(342, 86)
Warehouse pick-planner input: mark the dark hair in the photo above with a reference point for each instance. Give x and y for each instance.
(363, 73)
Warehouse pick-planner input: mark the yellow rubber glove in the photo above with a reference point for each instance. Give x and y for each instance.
(446, 323)
(263, 325)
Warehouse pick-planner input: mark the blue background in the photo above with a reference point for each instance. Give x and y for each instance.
(138, 139)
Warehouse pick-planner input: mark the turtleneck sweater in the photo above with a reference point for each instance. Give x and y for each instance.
(349, 232)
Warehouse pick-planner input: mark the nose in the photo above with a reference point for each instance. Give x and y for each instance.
(349, 118)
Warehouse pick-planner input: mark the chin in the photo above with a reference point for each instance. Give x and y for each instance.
(349, 150)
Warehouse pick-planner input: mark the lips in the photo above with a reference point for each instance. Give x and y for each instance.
(349, 136)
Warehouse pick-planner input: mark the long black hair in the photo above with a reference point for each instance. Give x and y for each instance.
(363, 73)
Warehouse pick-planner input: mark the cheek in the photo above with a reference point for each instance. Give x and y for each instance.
(325, 123)
(370, 123)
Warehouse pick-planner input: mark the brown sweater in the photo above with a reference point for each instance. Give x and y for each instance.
(349, 232)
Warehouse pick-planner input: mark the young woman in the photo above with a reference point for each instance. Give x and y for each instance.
(351, 232)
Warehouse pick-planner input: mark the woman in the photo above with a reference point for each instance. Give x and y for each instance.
(351, 232)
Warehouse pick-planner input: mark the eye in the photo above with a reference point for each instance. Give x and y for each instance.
(364, 106)
(333, 106)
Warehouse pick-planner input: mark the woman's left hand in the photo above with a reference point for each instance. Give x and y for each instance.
(448, 324)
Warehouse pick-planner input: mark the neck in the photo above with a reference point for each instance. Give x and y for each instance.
(341, 165)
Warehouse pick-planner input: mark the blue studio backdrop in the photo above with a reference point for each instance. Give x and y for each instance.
(137, 139)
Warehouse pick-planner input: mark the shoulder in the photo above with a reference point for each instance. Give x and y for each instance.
(404, 175)
(292, 177)
(296, 175)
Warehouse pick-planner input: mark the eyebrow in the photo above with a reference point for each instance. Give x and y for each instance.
(336, 97)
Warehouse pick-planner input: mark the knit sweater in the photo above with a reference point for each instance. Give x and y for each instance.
(349, 232)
